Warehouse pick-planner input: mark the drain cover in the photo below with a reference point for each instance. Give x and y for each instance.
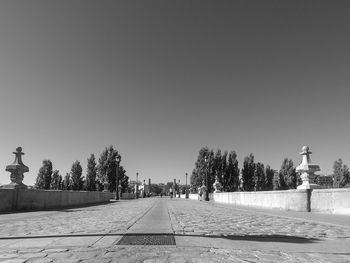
(152, 240)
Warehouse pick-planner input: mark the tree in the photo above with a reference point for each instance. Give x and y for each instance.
(269, 178)
(225, 173)
(77, 180)
(167, 187)
(248, 173)
(200, 171)
(55, 180)
(217, 166)
(287, 175)
(102, 167)
(259, 177)
(232, 172)
(157, 189)
(91, 173)
(66, 185)
(341, 174)
(106, 169)
(43, 179)
(123, 178)
(60, 183)
(210, 176)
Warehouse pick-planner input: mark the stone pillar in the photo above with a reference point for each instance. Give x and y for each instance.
(105, 187)
(149, 187)
(17, 168)
(307, 170)
(144, 189)
(137, 186)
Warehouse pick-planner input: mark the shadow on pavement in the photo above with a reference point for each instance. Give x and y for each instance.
(258, 238)
(71, 208)
(266, 238)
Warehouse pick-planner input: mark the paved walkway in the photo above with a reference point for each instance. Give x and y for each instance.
(204, 232)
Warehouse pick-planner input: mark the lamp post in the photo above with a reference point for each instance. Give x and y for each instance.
(137, 186)
(117, 178)
(206, 178)
(186, 191)
(144, 188)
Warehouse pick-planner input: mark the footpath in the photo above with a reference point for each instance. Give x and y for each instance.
(178, 230)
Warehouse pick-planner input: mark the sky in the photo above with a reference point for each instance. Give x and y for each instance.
(158, 80)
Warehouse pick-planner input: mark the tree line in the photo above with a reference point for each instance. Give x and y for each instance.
(253, 176)
(97, 174)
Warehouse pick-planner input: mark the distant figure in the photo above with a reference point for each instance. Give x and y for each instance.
(200, 193)
(171, 192)
(203, 191)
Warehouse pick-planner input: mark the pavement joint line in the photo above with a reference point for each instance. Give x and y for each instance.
(91, 245)
(172, 225)
(142, 215)
(63, 235)
(85, 235)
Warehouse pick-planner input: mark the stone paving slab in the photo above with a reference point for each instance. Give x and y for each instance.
(205, 233)
(147, 254)
(114, 217)
(156, 220)
(193, 217)
(324, 218)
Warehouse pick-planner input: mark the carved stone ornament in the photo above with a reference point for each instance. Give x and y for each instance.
(307, 170)
(217, 186)
(17, 169)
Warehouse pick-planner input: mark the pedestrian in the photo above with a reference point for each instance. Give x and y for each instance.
(200, 193)
(203, 191)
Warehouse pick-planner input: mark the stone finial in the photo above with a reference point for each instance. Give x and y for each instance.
(17, 168)
(305, 149)
(307, 170)
(217, 186)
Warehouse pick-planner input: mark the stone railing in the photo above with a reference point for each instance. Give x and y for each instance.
(34, 199)
(16, 197)
(334, 201)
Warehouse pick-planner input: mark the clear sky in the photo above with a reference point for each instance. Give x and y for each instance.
(160, 79)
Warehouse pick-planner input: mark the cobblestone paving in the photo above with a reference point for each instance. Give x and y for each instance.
(187, 217)
(110, 218)
(209, 219)
(156, 254)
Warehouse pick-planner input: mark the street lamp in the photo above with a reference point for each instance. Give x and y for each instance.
(137, 186)
(117, 159)
(186, 191)
(206, 178)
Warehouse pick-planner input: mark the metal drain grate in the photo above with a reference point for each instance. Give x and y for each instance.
(151, 240)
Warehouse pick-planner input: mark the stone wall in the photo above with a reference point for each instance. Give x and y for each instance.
(7, 199)
(33, 199)
(295, 200)
(190, 196)
(335, 201)
(127, 196)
